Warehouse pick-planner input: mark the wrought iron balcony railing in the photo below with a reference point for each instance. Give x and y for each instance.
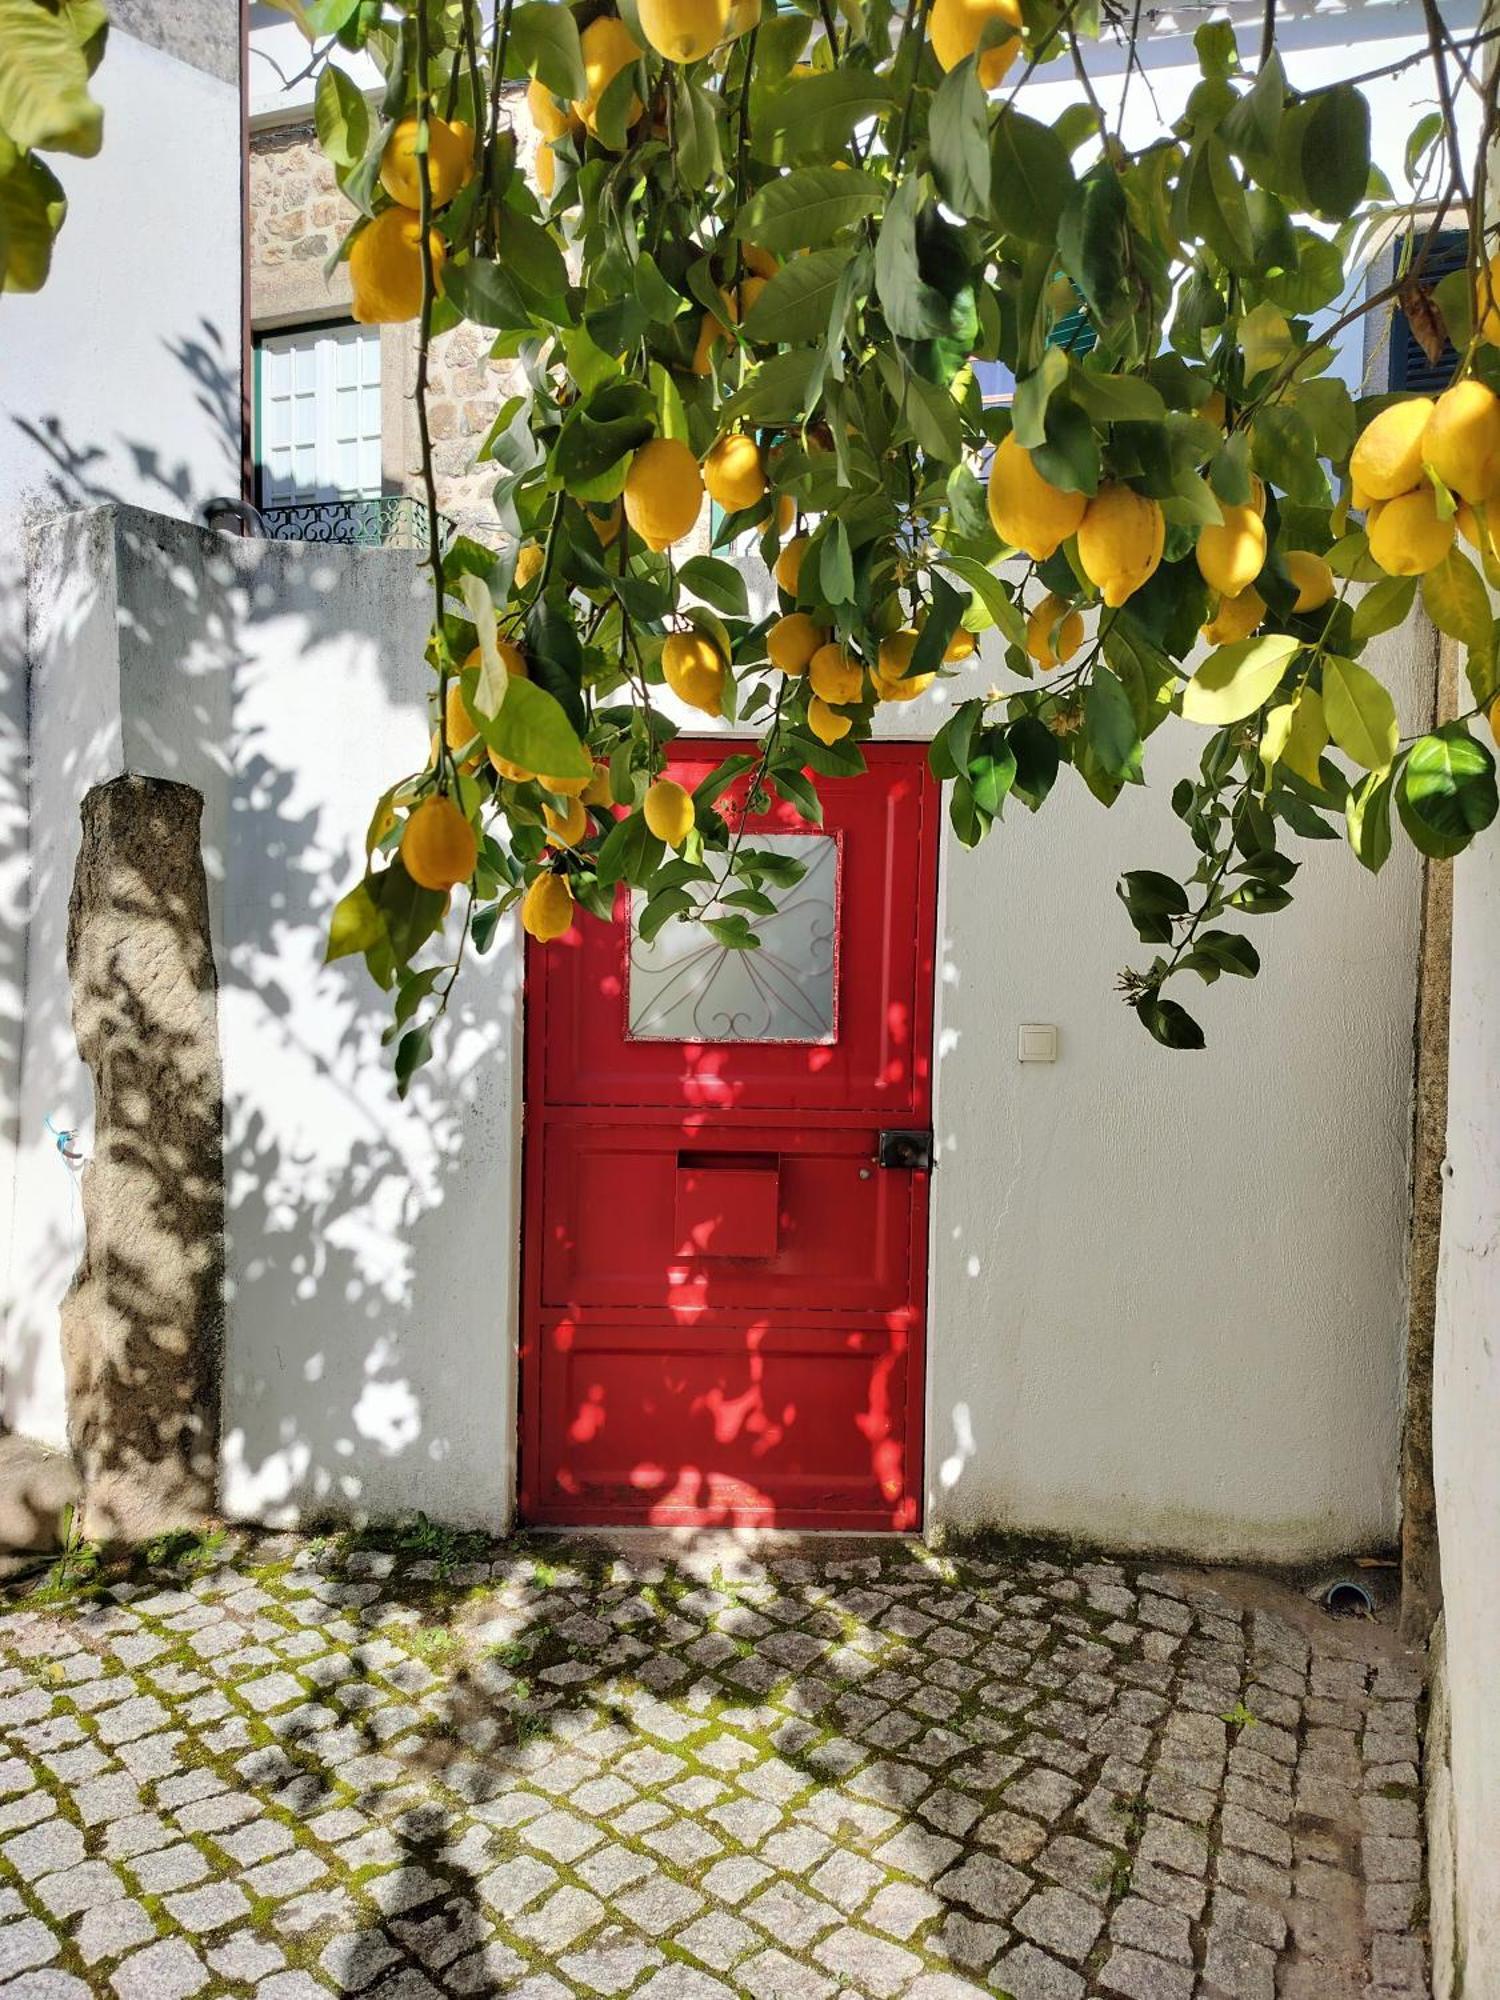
(394, 521)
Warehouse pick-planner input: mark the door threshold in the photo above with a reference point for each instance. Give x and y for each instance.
(826, 1543)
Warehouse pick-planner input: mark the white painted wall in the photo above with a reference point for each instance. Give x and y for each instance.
(1466, 1425)
(119, 380)
(371, 1244)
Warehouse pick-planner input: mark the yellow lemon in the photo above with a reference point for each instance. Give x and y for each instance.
(546, 170)
(761, 262)
(1214, 409)
(438, 845)
(1026, 510)
(608, 47)
(551, 119)
(1120, 541)
(385, 267)
(1054, 632)
(693, 668)
(547, 908)
(954, 28)
(1313, 578)
(529, 560)
(566, 829)
(1232, 551)
(835, 677)
(735, 473)
(1487, 301)
(826, 723)
(1462, 440)
(1476, 532)
(743, 16)
(959, 647)
(669, 811)
(1387, 459)
(792, 641)
(1494, 718)
(1235, 619)
(450, 162)
(606, 526)
(788, 570)
(684, 31)
(1406, 536)
(663, 492)
(892, 681)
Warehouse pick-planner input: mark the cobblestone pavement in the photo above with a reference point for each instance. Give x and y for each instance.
(558, 1770)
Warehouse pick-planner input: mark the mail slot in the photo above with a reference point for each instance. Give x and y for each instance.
(727, 1204)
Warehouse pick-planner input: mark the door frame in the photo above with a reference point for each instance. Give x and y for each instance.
(527, 1431)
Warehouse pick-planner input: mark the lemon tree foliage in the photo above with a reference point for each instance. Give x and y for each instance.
(48, 51)
(760, 258)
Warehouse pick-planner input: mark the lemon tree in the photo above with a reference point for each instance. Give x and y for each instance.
(49, 49)
(762, 258)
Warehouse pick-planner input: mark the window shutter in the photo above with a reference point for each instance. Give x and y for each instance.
(1410, 369)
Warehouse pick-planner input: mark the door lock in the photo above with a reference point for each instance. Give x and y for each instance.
(908, 1149)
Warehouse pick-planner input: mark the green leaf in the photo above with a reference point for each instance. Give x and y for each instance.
(1368, 817)
(1296, 735)
(32, 208)
(342, 117)
(835, 565)
(1360, 714)
(1109, 726)
(44, 77)
(697, 156)
(355, 925)
(1456, 600)
(1168, 1023)
(544, 43)
(1223, 951)
(1383, 607)
(796, 303)
(532, 729)
(1038, 758)
(1033, 393)
(813, 116)
(412, 1051)
(718, 583)
(1448, 786)
(1236, 680)
(662, 907)
(803, 209)
(1115, 399)
(1336, 150)
(629, 852)
(1153, 900)
(734, 932)
(1031, 177)
(958, 138)
(529, 255)
(1093, 240)
(991, 592)
(484, 291)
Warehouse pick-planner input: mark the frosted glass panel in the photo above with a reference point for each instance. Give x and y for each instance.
(684, 986)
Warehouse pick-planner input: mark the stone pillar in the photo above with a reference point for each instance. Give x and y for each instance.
(142, 1325)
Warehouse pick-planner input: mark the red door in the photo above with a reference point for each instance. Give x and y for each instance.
(724, 1287)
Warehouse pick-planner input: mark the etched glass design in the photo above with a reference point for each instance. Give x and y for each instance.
(684, 986)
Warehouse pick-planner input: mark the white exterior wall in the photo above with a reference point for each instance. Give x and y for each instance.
(1466, 1426)
(119, 380)
(371, 1244)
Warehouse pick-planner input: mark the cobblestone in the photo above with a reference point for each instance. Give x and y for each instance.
(548, 1773)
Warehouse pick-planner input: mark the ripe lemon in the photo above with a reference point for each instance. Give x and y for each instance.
(566, 829)
(693, 668)
(1235, 619)
(1487, 302)
(385, 267)
(663, 492)
(547, 908)
(606, 526)
(1026, 510)
(511, 657)
(761, 262)
(1120, 541)
(450, 162)
(546, 170)
(1476, 532)
(710, 333)
(826, 723)
(669, 811)
(1232, 552)
(788, 570)
(438, 845)
(684, 31)
(1313, 578)
(735, 473)
(1494, 718)
(551, 119)
(1387, 459)
(1054, 632)
(835, 677)
(1462, 440)
(959, 647)
(1406, 536)
(608, 47)
(954, 28)
(792, 641)
(529, 560)
(1213, 409)
(892, 682)
(596, 791)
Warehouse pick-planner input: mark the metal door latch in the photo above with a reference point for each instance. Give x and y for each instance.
(912, 1150)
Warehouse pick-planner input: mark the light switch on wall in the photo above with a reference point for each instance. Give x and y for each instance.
(1037, 1042)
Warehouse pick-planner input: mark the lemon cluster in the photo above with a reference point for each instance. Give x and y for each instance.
(385, 258)
(1426, 471)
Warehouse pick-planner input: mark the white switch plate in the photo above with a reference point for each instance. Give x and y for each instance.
(1037, 1042)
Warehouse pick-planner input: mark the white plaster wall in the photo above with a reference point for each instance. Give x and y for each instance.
(369, 1363)
(1466, 1426)
(119, 380)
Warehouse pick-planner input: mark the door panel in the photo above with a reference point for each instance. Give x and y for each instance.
(724, 1291)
